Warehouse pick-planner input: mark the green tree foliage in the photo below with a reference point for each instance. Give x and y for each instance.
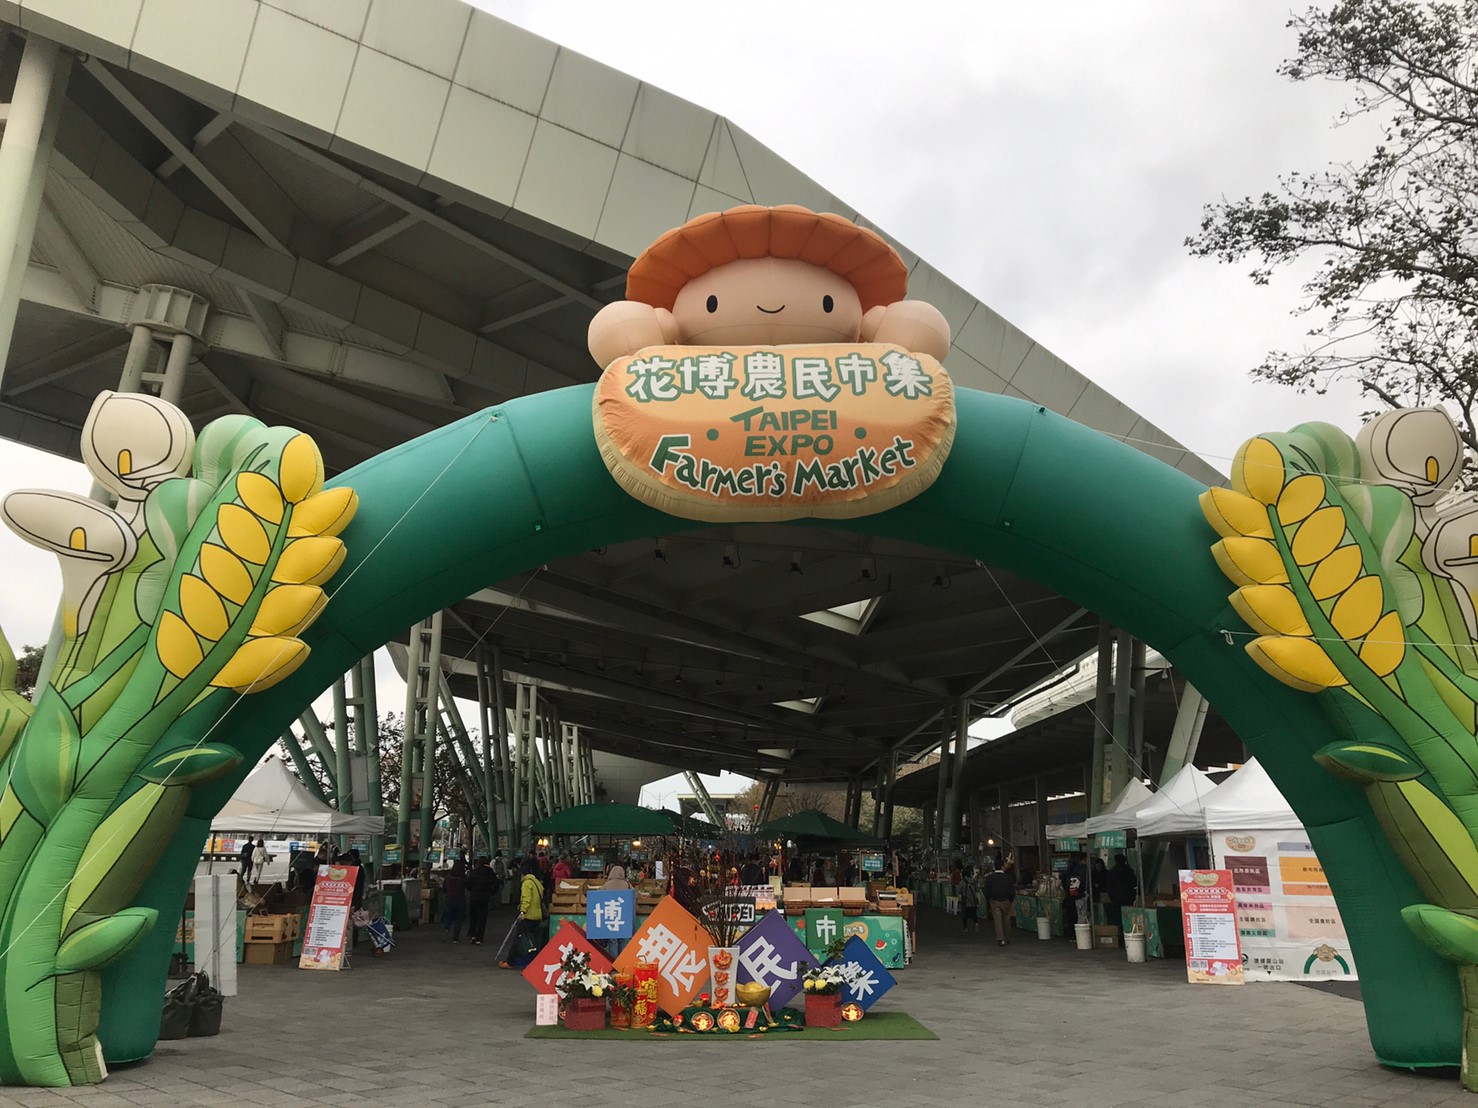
(27, 668)
(1395, 295)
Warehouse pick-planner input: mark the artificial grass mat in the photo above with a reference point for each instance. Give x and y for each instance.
(874, 1026)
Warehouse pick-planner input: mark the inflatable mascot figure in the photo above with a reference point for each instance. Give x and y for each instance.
(1359, 571)
(783, 335)
(190, 592)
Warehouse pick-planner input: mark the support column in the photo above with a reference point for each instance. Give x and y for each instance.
(977, 829)
(1119, 752)
(892, 782)
(367, 743)
(1137, 673)
(935, 823)
(950, 826)
(318, 740)
(173, 386)
(343, 767)
(705, 801)
(486, 728)
(418, 744)
(1102, 708)
(1185, 735)
(25, 152)
(1044, 845)
(300, 763)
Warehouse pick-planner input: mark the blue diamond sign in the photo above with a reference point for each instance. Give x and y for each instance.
(866, 979)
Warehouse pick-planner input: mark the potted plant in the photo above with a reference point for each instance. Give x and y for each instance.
(823, 989)
(584, 993)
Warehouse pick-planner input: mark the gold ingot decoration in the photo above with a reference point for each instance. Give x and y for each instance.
(225, 572)
(309, 561)
(1337, 572)
(1257, 470)
(202, 608)
(242, 534)
(177, 645)
(1299, 498)
(1270, 610)
(287, 609)
(301, 469)
(261, 495)
(261, 663)
(1298, 663)
(1248, 561)
(1318, 536)
(1234, 513)
(326, 513)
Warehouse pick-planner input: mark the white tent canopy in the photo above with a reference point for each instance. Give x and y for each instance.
(1132, 796)
(1181, 796)
(271, 799)
(1246, 801)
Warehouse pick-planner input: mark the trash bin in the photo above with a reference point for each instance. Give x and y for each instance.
(1044, 927)
(1134, 945)
(1084, 933)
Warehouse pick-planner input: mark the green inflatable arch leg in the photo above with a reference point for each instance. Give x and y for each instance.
(1112, 529)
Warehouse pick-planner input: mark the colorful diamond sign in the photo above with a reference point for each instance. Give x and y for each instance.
(677, 944)
(867, 980)
(544, 974)
(771, 954)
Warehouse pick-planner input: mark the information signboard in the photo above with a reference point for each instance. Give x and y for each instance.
(328, 918)
(1213, 949)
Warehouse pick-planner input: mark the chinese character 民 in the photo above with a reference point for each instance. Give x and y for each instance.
(812, 378)
(763, 962)
(906, 376)
(764, 373)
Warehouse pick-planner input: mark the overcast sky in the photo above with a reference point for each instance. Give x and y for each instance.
(1051, 161)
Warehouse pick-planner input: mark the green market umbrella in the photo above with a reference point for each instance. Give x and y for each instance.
(815, 825)
(606, 819)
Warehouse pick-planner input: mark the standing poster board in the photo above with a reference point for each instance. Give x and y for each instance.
(327, 933)
(1213, 948)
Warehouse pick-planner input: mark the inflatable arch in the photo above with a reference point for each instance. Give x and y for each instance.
(1099, 522)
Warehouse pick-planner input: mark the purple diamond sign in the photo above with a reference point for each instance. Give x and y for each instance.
(866, 977)
(770, 953)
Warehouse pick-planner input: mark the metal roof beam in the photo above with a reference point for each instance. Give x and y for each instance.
(203, 138)
(274, 237)
(62, 249)
(70, 359)
(380, 224)
(518, 304)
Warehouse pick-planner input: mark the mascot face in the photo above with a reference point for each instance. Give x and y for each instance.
(767, 301)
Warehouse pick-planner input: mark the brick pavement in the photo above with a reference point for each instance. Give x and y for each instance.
(1035, 1023)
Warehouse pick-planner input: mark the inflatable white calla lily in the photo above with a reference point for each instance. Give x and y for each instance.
(131, 442)
(89, 539)
(1418, 450)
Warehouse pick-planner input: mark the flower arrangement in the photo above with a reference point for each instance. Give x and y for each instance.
(823, 981)
(578, 982)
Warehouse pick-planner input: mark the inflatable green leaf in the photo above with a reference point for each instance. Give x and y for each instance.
(1367, 762)
(99, 943)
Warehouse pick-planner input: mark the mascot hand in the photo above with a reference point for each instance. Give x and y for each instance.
(912, 324)
(627, 326)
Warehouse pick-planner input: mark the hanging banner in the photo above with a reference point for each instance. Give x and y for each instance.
(1289, 924)
(757, 433)
(1213, 950)
(328, 918)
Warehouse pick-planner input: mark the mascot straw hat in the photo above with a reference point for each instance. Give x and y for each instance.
(822, 239)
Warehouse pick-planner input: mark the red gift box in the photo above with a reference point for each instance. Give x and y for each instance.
(824, 1011)
(585, 1013)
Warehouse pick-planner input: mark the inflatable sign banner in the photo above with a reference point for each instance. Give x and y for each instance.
(773, 433)
(1213, 949)
(328, 918)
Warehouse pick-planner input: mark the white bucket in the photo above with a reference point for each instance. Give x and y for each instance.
(1084, 933)
(1134, 945)
(1044, 927)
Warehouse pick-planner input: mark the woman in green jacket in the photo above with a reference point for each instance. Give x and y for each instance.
(530, 908)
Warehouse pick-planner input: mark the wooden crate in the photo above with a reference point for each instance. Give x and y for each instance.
(269, 954)
(271, 929)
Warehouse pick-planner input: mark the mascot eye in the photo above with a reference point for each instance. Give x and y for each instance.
(826, 304)
(713, 305)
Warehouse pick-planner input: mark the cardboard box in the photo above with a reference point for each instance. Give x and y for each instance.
(1105, 937)
(269, 954)
(271, 929)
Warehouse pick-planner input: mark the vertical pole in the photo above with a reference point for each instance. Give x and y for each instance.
(25, 151)
(1136, 704)
(892, 781)
(957, 772)
(136, 361)
(1044, 847)
(977, 830)
(1119, 759)
(343, 773)
(367, 741)
(500, 732)
(1102, 707)
(489, 768)
(300, 763)
(175, 369)
(936, 824)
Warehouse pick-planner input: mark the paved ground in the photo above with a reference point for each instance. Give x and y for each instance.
(1034, 1023)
